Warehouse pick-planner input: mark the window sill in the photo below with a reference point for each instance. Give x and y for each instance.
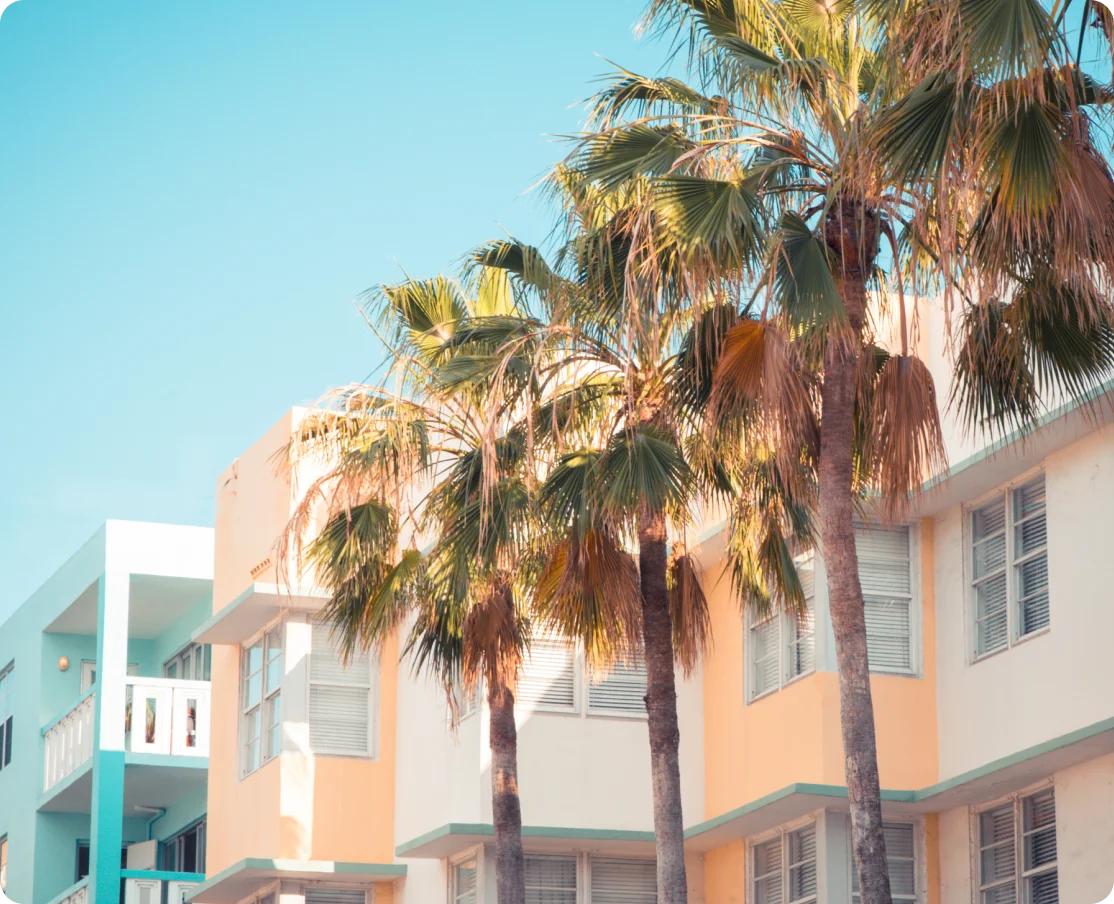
(615, 716)
(1013, 644)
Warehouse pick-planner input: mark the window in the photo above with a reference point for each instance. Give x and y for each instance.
(900, 860)
(548, 678)
(320, 894)
(782, 646)
(1009, 567)
(82, 869)
(785, 868)
(885, 572)
(6, 716)
(261, 699)
(185, 852)
(340, 698)
(3, 862)
(1017, 851)
(555, 679)
(551, 880)
(465, 704)
(624, 881)
(89, 673)
(194, 663)
(464, 882)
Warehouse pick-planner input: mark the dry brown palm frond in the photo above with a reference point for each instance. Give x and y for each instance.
(905, 444)
(589, 590)
(761, 371)
(692, 621)
(492, 637)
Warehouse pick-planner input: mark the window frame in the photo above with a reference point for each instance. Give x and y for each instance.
(1016, 801)
(7, 715)
(373, 702)
(267, 698)
(475, 854)
(916, 600)
(920, 875)
(582, 707)
(784, 623)
(781, 835)
(1006, 492)
(368, 890)
(199, 828)
(190, 650)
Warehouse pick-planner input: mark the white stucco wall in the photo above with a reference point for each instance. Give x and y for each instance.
(1085, 831)
(1053, 683)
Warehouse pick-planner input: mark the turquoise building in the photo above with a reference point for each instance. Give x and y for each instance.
(104, 723)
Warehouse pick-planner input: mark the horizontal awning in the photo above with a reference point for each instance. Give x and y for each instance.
(996, 779)
(254, 609)
(454, 837)
(248, 876)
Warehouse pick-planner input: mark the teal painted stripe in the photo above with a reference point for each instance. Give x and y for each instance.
(487, 830)
(161, 875)
(167, 759)
(69, 891)
(279, 867)
(88, 693)
(107, 824)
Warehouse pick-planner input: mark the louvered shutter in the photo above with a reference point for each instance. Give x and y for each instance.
(802, 878)
(765, 636)
(316, 894)
(1030, 550)
(550, 880)
(548, 678)
(767, 872)
(997, 856)
(900, 862)
(340, 699)
(1039, 848)
(464, 882)
(624, 882)
(885, 572)
(802, 628)
(988, 574)
(623, 690)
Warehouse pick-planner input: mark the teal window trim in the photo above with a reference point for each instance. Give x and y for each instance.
(162, 875)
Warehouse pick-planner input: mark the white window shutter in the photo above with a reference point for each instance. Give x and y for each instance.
(550, 880)
(317, 894)
(624, 882)
(1030, 550)
(622, 690)
(885, 572)
(802, 628)
(340, 698)
(768, 872)
(764, 640)
(548, 678)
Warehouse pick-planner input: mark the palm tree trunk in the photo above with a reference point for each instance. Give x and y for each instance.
(845, 599)
(661, 710)
(506, 809)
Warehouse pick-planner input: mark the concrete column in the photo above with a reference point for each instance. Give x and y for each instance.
(108, 738)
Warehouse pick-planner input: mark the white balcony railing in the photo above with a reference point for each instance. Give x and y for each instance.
(77, 893)
(69, 743)
(163, 715)
(168, 716)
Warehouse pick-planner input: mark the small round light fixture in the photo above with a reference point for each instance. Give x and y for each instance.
(63, 663)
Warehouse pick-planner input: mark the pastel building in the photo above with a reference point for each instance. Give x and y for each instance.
(989, 612)
(104, 700)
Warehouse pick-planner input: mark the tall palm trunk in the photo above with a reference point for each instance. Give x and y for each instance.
(661, 710)
(506, 809)
(845, 594)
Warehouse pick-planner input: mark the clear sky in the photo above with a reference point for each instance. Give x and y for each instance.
(193, 194)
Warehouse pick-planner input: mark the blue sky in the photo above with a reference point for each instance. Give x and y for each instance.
(193, 194)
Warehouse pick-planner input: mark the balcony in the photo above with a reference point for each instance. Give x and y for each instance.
(163, 716)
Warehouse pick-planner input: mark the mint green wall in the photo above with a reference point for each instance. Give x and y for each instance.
(179, 633)
(58, 691)
(56, 853)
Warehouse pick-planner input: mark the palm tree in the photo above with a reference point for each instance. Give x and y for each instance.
(958, 134)
(630, 466)
(439, 458)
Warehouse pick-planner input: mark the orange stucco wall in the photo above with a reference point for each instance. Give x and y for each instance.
(794, 735)
(297, 807)
(725, 874)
